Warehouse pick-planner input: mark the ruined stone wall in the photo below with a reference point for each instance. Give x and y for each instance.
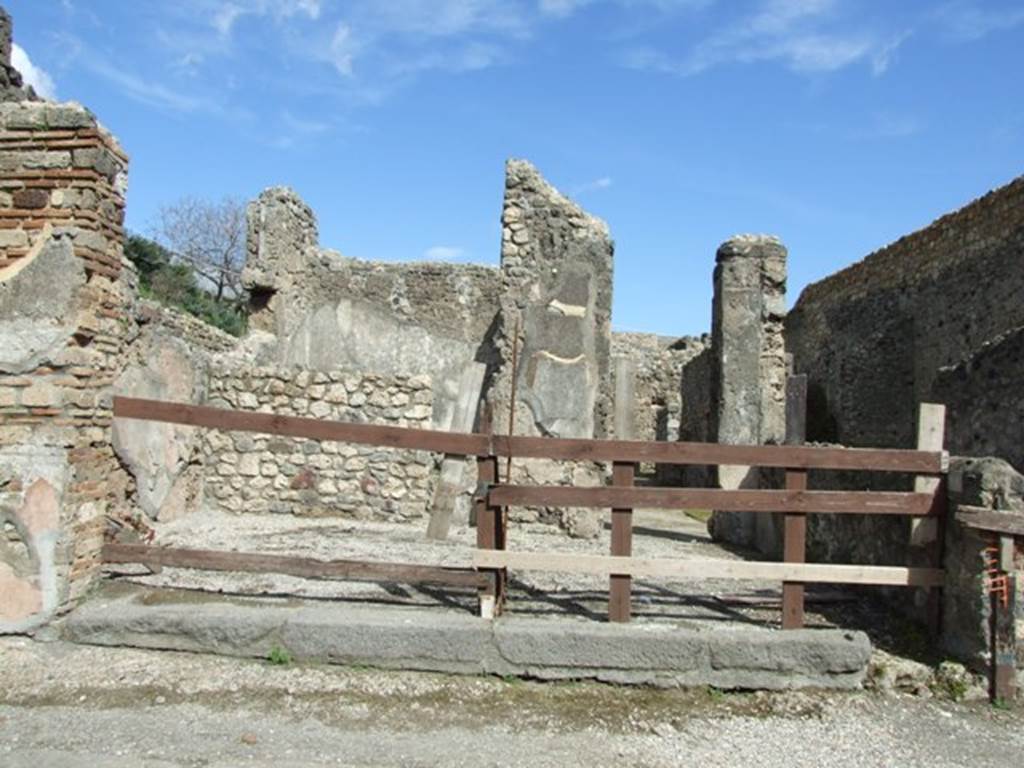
(873, 337)
(328, 312)
(992, 484)
(555, 324)
(65, 320)
(245, 472)
(188, 328)
(169, 359)
(657, 364)
(877, 338)
(748, 372)
(985, 397)
(696, 422)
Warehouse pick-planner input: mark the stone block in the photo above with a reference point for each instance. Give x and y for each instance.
(31, 198)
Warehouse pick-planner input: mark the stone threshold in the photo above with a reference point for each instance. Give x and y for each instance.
(425, 639)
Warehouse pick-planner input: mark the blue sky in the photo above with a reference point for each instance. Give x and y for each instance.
(837, 125)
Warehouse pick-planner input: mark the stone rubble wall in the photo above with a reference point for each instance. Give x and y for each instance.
(989, 483)
(189, 328)
(169, 359)
(696, 421)
(909, 324)
(555, 323)
(748, 373)
(323, 311)
(873, 337)
(65, 322)
(657, 364)
(254, 473)
(985, 397)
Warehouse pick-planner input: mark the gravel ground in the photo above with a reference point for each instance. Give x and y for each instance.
(64, 705)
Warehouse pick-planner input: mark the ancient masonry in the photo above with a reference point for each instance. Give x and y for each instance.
(935, 316)
(65, 321)
(256, 473)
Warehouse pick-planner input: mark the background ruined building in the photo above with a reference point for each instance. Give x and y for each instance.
(935, 316)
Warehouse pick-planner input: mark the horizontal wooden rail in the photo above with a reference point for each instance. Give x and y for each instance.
(564, 449)
(832, 502)
(305, 567)
(791, 456)
(298, 426)
(710, 569)
(1004, 521)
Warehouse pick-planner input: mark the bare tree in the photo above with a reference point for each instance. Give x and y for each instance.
(210, 238)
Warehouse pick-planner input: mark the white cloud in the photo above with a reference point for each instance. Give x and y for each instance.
(35, 76)
(343, 49)
(225, 14)
(144, 91)
(603, 182)
(883, 57)
(444, 253)
(800, 34)
(965, 20)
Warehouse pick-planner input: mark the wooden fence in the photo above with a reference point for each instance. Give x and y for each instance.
(492, 560)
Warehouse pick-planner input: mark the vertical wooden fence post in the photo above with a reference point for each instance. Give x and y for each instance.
(1004, 633)
(929, 533)
(489, 524)
(794, 547)
(620, 586)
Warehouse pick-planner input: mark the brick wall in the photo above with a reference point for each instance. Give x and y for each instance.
(64, 322)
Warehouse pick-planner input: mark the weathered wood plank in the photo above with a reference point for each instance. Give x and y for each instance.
(931, 431)
(834, 502)
(794, 551)
(298, 426)
(305, 567)
(710, 569)
(562, 449)
(620, 586)
(985, 519)
(488, 525)
(794, 543)
(1004, 643)
(796, 456)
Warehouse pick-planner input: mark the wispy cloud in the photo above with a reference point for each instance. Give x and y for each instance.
(33, 75)
(604, 182)
(225, 13)
(379, 46)
(296, 130)
(966, 20)
(803, 35)
(444, 253)
(144, 91)
(884, 56)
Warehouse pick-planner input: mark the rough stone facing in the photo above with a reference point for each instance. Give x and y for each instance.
(556, 268)
(328, 312)
(262, 473)
(748, 370)
(984, 396)
(65, 322)
(992, 484)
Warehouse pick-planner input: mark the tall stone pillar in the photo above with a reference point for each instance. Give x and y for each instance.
(281, 247)
(556, 263)
(748, 370)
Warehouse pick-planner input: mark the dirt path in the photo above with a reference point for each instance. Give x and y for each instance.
(64, 705)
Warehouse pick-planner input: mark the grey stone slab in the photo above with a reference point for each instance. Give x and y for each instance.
(448, 641)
